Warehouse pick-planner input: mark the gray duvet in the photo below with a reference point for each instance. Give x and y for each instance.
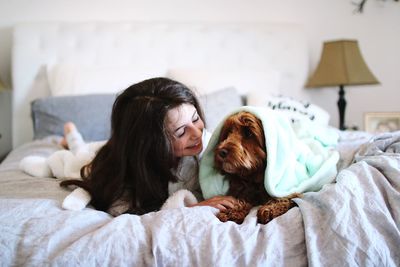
(353, 222)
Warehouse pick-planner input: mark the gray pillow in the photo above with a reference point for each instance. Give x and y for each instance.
(218, 104)
(90, 113)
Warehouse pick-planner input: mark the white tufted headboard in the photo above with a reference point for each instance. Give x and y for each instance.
(145, 44)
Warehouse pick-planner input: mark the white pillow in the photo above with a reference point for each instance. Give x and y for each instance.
(204, 81)
(298, 110)
(76, 79)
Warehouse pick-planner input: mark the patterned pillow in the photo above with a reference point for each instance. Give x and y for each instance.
(298, 110)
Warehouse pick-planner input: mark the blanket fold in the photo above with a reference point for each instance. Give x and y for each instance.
(301, 156)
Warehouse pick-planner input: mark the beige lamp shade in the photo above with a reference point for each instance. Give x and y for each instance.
(341, 64)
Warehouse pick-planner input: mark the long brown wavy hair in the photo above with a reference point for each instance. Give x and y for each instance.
(137, 161)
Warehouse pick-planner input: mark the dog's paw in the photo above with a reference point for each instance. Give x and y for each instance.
(265, 214)
(223, 216)
(233, 215)
(275, 207)
(236, 214)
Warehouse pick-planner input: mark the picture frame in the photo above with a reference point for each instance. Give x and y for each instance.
(378, 122)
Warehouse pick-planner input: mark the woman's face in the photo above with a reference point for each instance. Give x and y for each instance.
(186, 128)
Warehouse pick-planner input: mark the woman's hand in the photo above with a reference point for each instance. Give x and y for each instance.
(220, 202)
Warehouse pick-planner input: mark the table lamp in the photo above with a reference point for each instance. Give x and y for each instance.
(2, 86)
(341, 64)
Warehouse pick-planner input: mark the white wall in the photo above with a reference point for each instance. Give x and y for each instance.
(377, 31)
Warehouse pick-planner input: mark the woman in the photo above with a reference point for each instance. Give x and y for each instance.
(156, 137)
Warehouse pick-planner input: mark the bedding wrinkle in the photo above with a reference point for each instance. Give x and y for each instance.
(359, 225)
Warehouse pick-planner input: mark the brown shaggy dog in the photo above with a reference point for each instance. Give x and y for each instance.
(241, 156)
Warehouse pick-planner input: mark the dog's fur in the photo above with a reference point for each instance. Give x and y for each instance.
(241, 156)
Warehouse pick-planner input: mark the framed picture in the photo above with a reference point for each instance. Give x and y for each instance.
(378, 122)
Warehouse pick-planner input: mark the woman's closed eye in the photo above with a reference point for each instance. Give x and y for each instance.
(181, 131)
(196, 118)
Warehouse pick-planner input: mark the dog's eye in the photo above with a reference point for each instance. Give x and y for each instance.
(247, 132)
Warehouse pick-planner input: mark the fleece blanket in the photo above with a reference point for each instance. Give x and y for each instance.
(300, 156)
(352, 222)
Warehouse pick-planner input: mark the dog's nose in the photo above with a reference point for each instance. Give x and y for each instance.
(223, 153)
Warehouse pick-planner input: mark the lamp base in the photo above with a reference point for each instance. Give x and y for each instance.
(342, 107)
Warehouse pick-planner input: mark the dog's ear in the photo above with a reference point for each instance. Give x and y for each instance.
(253, 127)
(227, 128)
(224, 133)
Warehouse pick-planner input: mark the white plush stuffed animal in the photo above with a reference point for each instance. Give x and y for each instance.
(65, 164)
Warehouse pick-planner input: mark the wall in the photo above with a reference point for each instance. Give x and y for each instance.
(376, 30)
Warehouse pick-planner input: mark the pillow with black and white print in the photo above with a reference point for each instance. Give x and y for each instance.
(298, 110)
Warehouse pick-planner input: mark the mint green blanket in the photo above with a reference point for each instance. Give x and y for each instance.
(301, 156)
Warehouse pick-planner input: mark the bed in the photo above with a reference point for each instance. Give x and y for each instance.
(72, 71)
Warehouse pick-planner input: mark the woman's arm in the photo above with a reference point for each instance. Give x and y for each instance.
(185, 198)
